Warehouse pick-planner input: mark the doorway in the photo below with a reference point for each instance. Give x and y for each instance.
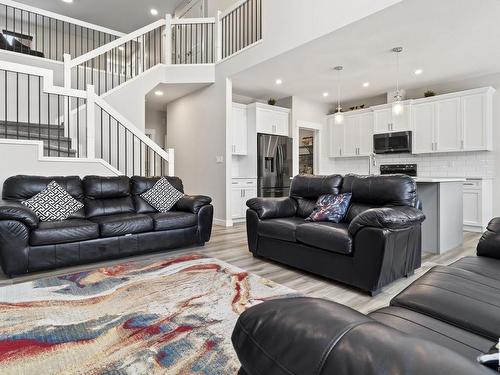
(307, 144)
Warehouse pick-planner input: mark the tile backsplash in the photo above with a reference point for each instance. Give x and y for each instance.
(462, 164)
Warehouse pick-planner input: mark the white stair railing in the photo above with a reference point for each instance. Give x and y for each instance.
(52, 35)
(36, 109)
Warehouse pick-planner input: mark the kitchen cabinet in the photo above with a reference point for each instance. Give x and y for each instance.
(478, 196)
(241, 190)
(476, 112)
(453, 122)
(386, 122)
(352, 138)
(239, 129)
(270, 119)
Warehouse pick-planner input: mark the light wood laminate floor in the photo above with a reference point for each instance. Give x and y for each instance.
(230, 245)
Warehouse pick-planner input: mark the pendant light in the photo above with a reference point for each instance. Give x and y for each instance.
(397, 105)
(339, 116)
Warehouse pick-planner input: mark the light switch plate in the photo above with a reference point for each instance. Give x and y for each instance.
(219, 159)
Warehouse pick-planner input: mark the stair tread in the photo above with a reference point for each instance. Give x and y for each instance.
(30, 124)
(34, 136)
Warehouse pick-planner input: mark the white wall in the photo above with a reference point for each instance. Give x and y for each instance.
(471, 164)
(196, 130)
(28, 161)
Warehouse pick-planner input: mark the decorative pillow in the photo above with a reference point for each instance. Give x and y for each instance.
(53, 203)
(331, 207)
(162, 196)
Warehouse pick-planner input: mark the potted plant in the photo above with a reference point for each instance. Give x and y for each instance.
(271, 101)
(429, 93)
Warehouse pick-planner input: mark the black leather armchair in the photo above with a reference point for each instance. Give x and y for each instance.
(115, 222)
(489, 244)
(378, 241)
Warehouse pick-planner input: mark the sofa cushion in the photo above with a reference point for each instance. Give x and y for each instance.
(280, 229)
(53, 203)
(139, 185)
(460, 297)
(327, 236)
(19, 188)
(173, 220)
(122, 224)
(390, 190)
(425, 327)
(487, 267)
(107, 196)
(57, 232)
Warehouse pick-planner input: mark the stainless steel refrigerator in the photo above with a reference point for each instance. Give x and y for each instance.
(274, 165)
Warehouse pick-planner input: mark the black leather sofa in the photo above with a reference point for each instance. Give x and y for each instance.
(438, 325)
(115, 222)
(378, 242)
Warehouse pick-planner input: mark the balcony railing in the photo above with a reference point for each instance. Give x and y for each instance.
(46, 34)
(193, 41)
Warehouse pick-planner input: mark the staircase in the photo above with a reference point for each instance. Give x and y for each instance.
(54, 141)
(75, 121)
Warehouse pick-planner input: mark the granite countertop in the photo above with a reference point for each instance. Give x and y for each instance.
(438, 179)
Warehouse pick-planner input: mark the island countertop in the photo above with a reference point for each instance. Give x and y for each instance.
(438, 179)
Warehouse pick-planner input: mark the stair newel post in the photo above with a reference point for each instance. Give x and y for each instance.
(171, 162)
(91, 128)
(168, 39)
(67, 85)
(219, 35)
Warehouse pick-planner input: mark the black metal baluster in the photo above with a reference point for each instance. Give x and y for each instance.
(29, 107)
(117, 144)
(109, 137)
(78, 126)
(5, 98)
(68, 125)
(133, 154)
(140, 157)
(17, 105)
(58, 126)
(48, 122)
(126, 170)
(39, 107)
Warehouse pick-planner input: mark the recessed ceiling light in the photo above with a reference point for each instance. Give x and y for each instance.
(366, 84)
(279, 81)
(154, 12)
(418, 72)
(159, 93)
(325, 94)
(67, 1)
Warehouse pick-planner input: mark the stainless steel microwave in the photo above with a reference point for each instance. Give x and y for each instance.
(392, 143)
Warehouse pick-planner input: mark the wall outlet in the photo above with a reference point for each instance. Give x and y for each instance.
(219, 159)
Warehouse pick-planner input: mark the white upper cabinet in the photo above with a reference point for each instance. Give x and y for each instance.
(453, 122)
(354, 137)
(423, 117)
(477, 121)
(386, 122)
(448, 129)
(270, 119)
(239, 124)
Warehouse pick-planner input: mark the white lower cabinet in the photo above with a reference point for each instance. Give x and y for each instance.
(478, 196)
(242, 189)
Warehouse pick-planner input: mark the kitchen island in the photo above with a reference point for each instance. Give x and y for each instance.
(442, 204)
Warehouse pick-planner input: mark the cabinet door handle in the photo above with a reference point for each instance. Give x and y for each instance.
(462, 144)
(340, 152)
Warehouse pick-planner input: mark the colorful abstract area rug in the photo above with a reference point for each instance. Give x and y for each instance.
(173, 316)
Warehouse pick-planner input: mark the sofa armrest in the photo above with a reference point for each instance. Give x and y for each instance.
(315, 336)
(269, 208)
(10, 210)
(387, 218)
(192, 203)
(489, 244)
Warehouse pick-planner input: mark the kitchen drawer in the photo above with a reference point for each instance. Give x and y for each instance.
(472, 185)
(243, 182)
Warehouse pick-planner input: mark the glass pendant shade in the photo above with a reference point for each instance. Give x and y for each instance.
(339, 117)
(397, 107)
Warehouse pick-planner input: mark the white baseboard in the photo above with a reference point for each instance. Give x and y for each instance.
(472, 228)
(223, 223)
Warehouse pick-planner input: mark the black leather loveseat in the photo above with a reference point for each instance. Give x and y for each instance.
(439, 325)
(378, 242)
(115, 222)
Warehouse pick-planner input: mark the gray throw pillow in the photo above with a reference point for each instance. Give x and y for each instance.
(162, 196)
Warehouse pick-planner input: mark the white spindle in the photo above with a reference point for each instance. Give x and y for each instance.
(219, 35)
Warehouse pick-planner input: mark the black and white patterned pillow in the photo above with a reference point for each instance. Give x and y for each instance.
(162, 196)
(53, 203)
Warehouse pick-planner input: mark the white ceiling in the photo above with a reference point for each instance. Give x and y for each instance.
(448, 39)
(171, 92)
(120, 15)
